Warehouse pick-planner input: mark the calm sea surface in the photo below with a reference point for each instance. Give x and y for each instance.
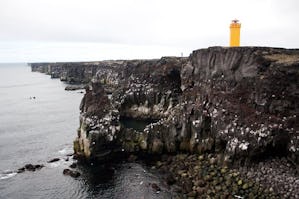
(38, 130)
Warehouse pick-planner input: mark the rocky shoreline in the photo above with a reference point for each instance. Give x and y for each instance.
(201, 176)
(232, 111)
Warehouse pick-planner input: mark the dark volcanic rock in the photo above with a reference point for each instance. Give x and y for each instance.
(238, 103)
(30, 167)
(141, 89)
(73, 165)
(74, 174)
(132, 158)
(21, 170)
(156, 187)
(200, 179)
(242, 102)
(74, 87)
(170, 179)
(39, 166)
(53, 160)
(74, 72)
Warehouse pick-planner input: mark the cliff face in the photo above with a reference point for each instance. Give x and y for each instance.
(239, 102)
(251, 97)
(76, 72)
(141, 89)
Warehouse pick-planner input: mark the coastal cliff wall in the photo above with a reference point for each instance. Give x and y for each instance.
(239, 102)
(74, 73)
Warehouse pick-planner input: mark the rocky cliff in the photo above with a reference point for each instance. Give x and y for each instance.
(71, 72)
(241, 103)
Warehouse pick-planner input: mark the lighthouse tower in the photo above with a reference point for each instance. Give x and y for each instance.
(235, 27)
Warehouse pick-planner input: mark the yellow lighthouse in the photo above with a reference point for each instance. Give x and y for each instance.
(235, 27)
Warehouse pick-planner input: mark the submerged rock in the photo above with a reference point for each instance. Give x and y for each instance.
(73, 165)
(155, 187)
(74, 87)
(74, 174)
(53, 160)
(30, 167)
(21, 170)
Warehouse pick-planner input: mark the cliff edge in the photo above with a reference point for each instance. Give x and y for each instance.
(226, 117)
(239, 102)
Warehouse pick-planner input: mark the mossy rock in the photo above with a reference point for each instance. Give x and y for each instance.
(223, 170)
(245, 186)
(201, 157)
(240, 182)
(76, 146)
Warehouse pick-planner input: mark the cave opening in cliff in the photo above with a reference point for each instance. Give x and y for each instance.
(174, 77)
(136, 124)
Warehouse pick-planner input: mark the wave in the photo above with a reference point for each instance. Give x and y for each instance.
(7, 174)
(66, 150)
(59, 163)
(54, 164)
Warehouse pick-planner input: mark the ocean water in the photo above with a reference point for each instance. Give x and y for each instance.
(38, 130)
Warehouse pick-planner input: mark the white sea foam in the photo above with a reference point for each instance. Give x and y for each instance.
(65, 151)
(61, 162)
(55, 164)
(7, 174)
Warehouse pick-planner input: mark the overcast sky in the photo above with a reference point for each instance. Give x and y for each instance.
(74, 30)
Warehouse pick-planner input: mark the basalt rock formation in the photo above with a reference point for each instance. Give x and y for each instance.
(140, 89)
(70, 72)
(241, 103)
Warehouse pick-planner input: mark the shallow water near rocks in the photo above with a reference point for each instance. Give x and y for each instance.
(38, 122)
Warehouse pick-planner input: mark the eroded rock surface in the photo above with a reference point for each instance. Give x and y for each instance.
(71, 72)
(239, 102)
